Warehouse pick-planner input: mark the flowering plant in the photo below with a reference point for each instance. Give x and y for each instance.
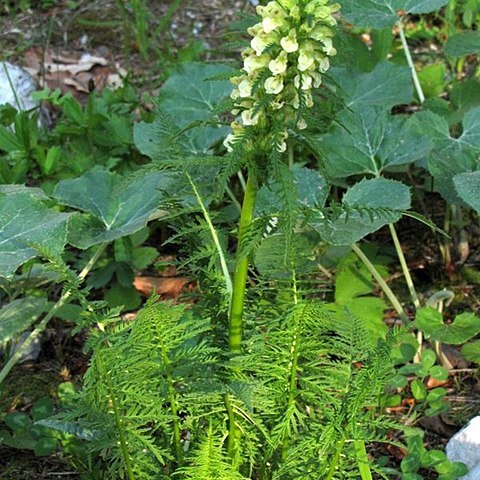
(287, 56)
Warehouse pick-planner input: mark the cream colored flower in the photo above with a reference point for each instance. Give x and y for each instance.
(248, 118)
(274, 85)
(273, 16)
(282, 146)
(245, 88)
(255, 62)
(324, 65)
(289, 43)
(277, 103)
(279, 65)
(317, 79)
(305, 59)
(328, 47)
(302, 124)
(306, 81)
(298, 37)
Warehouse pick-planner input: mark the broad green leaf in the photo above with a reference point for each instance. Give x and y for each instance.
(353, 53)
(188, 96)
(26, 222)
(18, 420)
(463, 328)
(9, 141)
(461, 44)
(114, 206)
(428, 358)
(387, 85)
(42, 408)
(424, 6)
(18, 315)
(353, 278)
(312, 191)
(471, 351)
(419, 390)
(371, 13)
(353, 286)
(71, 428)
(432, 79)
(384, 13)
(450, 155)
(127, 297)
(371, 204)
(371, 141)
(45, 447)
(465, 95)
(468, 188)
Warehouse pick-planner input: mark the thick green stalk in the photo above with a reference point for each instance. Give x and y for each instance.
(38, 330)
(383, 285)
(241, 268)
(362, 460)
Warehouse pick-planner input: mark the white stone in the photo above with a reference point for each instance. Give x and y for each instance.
(23, 86)
(473, 474)
(464, 447)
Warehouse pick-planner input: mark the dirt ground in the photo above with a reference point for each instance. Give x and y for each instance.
(65, 47)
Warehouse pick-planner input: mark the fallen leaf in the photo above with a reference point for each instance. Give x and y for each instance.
(169, 287)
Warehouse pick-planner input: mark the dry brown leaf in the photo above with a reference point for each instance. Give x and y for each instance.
(169, 287)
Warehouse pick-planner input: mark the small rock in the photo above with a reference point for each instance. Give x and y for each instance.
(23, 86)
(473, 474)
(464, 447)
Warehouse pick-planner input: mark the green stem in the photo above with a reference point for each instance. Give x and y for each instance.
(405, 269)
(12, 88)
(335, 460)
(216, 241)
(295, 347)
(232, 427)
(119, 424)
(362, 460)
(172, 396)
(241, 268)
(408, 56)
(383, 285)
(13, 360)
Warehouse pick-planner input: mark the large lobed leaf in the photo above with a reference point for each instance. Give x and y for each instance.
(468, 188)
(384, 13)
(371, 140)
(114, 206)
(190, 96)
(465, 43)
(25, 224)
(450, 155)
(18, 315)
(369, 205)
(385, 86)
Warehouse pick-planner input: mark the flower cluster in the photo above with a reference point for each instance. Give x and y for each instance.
(288, 53)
